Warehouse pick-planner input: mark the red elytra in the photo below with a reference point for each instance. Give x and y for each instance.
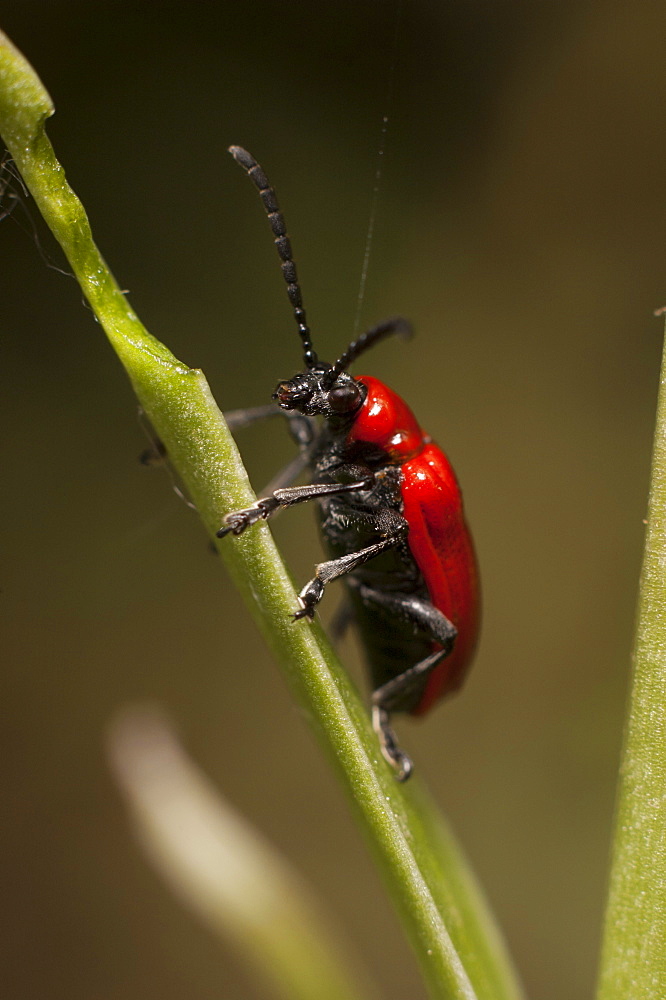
(439, 538)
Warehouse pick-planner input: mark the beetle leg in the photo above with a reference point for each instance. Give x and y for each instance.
(286, 476)
(301, 428)
(384, 699)
(293, 469)
(325, 572)
(341, 620)
(388, 744)
(399, 687)
(238, 520)
(156, 454)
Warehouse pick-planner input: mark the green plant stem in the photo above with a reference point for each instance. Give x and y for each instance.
(633, 959)
(442, 909)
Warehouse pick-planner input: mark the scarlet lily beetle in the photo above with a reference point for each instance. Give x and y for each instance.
(391, 514)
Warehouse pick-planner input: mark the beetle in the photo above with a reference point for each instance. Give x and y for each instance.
(391, 514)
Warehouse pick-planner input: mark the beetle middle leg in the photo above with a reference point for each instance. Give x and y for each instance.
(325, 572)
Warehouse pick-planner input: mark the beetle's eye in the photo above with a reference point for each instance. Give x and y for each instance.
(344, 398)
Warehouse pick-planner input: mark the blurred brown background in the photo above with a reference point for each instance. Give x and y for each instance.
(521, 228)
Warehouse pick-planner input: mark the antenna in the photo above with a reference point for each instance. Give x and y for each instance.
(276, 219)
(395, 325)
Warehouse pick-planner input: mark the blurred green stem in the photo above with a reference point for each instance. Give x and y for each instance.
(223, 869)
(443, 912)
(633, 960)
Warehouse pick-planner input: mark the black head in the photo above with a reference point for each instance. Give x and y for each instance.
(320, 392)
(321, 389)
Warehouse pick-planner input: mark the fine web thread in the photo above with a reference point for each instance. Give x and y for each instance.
(371, 225)
(374, 205)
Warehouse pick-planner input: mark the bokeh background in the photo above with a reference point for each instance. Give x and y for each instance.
(521, 227)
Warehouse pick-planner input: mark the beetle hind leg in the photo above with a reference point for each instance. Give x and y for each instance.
(387, 699)
(388, 744)
(398, 693)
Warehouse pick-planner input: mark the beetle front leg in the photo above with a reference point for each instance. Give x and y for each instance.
(235, 419)
(301, 428)
(238, 520)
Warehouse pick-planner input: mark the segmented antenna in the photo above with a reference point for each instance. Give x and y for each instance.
(395, 325)
(276, 219)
